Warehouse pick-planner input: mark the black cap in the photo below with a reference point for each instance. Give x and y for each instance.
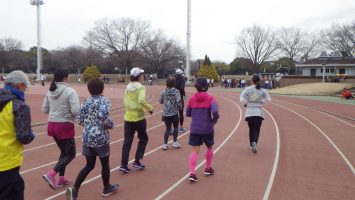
(201, 84)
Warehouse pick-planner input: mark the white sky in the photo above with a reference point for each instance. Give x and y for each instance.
(215, 24)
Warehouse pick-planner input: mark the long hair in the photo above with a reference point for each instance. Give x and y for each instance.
(256, 80)
(59, 76)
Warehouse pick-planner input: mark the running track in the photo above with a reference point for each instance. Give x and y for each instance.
(304, 153)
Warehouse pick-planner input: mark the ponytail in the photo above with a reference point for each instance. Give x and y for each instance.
(59, 76)
(53, 86)
(257, 85)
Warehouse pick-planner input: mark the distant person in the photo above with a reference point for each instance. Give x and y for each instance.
(253, 98)
(134, 120)
(203, 110)
(180, 85)
(95, 117)
(62, 104)
(43, 78)
(171, 100)
(15, 131)
(346, 94)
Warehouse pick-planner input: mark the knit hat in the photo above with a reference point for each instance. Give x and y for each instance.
(201, 84)
(16, 77)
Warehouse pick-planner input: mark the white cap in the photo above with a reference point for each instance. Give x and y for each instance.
(179, 71)
(136, 71)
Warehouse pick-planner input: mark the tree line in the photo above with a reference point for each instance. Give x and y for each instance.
(116, 44)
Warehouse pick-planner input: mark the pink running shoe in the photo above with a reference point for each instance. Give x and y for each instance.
(63, 182)
(50, 180)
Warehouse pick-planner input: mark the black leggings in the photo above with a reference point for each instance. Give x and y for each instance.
(171, 120)
(67, 154)
(254, 124)
(181, 112)
(90, 164)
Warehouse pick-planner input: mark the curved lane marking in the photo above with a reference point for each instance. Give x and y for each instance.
(326, 136)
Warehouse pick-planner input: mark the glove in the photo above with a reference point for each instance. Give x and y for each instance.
(150, 112)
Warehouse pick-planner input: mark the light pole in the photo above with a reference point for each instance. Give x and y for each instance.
(38, 3)
(188, 40)
(324, 57)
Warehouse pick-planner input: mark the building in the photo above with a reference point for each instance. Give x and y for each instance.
(329, 65)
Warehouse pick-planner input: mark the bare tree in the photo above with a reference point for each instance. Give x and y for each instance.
(258, 44)
(9, 50)
(119, 38)
(298, 46)
(340, 37)
(160, 51)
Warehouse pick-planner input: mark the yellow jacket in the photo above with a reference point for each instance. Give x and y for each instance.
(10, 148)
(135, 102)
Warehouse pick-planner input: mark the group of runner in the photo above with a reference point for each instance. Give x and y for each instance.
(63, 106)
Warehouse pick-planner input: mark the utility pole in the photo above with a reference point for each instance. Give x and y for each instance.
(188, 40)
(38, 3)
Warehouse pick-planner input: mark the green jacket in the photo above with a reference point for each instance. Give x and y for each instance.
(135, 102)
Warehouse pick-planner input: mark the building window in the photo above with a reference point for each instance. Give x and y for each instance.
(341, 71)
(331, 70)
(321, 70)
(327, 70)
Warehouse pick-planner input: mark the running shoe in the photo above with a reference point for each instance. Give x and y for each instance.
(193, 178)
(209, 172)
(176, 145)
(165, 147)
(253, 147)
(63, 182)
(182, 129)
(124, 169)
(50, 180)
(138, 165)
(72, 194)
(112, 188)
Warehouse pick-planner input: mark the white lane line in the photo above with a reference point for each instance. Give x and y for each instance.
(215, 151)
(53, 143)
(322, 112)
(276, 161)
(78, 154)
(116, 168)
(326, 136)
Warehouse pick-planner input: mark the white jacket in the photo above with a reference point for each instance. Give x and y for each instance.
(62, 104)
(254, 99)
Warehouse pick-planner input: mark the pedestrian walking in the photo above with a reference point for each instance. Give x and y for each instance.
(171, 100)
(253, 98)
(15, 131)
(95, 117)
(134, 120)
(203, 110)
(180, 85)
(62, 104)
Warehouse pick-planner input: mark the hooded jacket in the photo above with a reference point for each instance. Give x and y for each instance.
(203, 109)
(15, 130)
(171, 100)
(62, 104)
(135, 102)
(253, 99)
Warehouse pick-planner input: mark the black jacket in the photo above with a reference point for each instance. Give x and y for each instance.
(180, 84)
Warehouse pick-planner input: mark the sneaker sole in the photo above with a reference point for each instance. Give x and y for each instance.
(208, 174)
(45, 178)
(65, 184)
(124, 171)
(140, 168)
(69, 194)
(109, 194)
(193, 180)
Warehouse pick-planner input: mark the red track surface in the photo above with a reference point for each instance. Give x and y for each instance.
(316, 154)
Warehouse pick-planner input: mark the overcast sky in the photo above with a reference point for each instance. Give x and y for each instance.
(215, 24)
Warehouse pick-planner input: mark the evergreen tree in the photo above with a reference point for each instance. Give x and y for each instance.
(207, 61)
(91, 72)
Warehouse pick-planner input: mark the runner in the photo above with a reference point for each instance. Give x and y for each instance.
(62, 104)
(203, 110)
(15, 131)
(170, 98)
(253, 98)
(180, 85)
(95, 117)
(134, 120)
